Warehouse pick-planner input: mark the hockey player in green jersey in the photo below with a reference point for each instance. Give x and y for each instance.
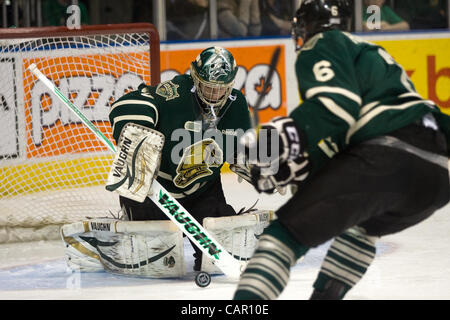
(366, 153)
(196, 119)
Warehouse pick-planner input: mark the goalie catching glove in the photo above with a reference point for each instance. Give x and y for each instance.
(286, 163)
(136, 163)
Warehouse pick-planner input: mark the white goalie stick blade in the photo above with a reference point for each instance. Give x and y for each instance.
(267, 83)
(137, 248)
(238, 234)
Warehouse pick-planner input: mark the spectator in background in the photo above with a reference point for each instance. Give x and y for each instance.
(276, 17)
(187, 19)
(238, 18)
(142, 11)
(9, 15)
(423, 14)
(54, 12)
(390, 21)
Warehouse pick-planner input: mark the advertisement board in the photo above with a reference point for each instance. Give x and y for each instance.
(253, 63)
(427, 62)
(37, 126)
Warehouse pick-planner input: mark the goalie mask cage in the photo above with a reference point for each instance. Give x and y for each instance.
(52, 168)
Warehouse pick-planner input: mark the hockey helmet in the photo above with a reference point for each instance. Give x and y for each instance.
(316, 16)
(213, 73)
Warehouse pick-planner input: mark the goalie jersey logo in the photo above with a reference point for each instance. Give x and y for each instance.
(197, 161)
(168, 90)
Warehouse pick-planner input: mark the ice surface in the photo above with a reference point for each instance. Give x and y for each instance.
(413, 264)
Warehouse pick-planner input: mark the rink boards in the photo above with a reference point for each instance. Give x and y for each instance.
(424, 56)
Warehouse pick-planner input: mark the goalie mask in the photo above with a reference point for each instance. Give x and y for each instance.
(213, 73)
(316, 16)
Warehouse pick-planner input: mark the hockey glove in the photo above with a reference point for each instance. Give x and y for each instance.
(281, 159)
(136, 163)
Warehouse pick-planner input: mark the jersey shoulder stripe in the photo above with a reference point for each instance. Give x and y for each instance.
(131, 118)
(338, 110)
(371, 115)
(327, 89)
(128, 102)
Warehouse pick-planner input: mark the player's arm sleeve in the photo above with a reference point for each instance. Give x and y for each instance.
(331, 97)
(134, 107)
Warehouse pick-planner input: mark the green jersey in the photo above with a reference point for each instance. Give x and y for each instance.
(353, 91)
(193, 152)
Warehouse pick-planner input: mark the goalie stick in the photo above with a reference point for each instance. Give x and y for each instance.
(255, 109)
(162, 198)
(267, 83)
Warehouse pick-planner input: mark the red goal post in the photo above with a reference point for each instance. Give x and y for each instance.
(52, 168)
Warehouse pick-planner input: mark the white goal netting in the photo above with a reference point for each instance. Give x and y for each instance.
(52, 168)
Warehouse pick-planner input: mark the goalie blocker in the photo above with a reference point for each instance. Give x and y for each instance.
(136, 162)
(154, 248)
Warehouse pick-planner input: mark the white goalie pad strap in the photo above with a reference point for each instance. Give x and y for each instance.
(237, 234)
(136, 162)
(109, 225)
(138, 248)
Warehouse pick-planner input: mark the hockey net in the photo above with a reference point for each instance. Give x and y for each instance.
(52, 168)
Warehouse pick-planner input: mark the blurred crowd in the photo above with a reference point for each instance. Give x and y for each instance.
(400, 15)
(190, 19)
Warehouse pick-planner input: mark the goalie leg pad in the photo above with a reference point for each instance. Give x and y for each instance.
(155, 255)
(80, 255)
(138, 248)
(136, 162)
(237, 234)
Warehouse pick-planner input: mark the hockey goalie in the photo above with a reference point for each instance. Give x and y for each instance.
(206, 108)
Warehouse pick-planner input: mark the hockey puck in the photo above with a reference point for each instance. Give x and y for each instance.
(202, 279)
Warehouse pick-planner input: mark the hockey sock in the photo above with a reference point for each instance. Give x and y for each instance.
(347, 260)
(267, 273)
